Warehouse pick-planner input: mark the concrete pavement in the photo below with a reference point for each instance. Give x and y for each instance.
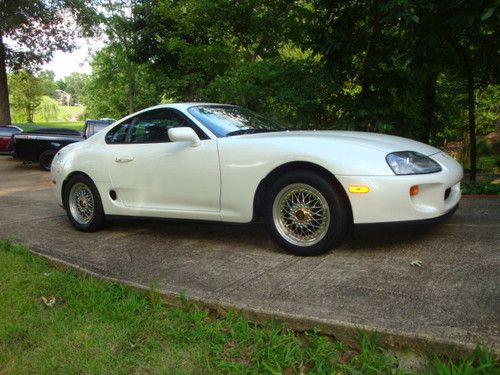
(447, 305)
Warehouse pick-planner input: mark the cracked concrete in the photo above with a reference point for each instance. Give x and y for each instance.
(447, 305)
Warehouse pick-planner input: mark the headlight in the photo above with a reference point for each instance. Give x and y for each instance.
(410, 162)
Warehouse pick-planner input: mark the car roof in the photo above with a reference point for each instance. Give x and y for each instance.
(99, 122)
(10, 127)
(56, 131)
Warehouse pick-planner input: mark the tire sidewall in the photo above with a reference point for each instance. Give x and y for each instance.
(338, 207)
(98, 219)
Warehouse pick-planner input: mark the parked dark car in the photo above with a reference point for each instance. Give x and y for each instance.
(6, 133)
(41, 145)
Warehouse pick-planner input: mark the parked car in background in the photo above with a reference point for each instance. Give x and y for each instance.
(6, 133)
(94, 126)
(225, 163)
(40, 145)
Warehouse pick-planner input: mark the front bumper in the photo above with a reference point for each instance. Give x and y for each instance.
(57, 176)
(389, 200)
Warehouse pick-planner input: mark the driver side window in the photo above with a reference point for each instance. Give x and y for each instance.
(150, 127)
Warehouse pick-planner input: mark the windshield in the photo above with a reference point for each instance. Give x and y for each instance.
(226, 120)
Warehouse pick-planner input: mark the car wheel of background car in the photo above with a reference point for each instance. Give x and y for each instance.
(83, 204)
(45, 159)
(306, 214)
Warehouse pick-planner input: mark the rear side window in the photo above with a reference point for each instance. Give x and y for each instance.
(8, 131)
(94, 127)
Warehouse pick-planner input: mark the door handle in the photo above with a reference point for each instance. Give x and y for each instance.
(124, 159)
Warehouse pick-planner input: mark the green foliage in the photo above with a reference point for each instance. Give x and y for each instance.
(49, 108)
(35, 30)
(260, 86)
(107, 91)
(481, 363)
(488, 155)
(481, 188)
(488, 108)
(25, 93)
(47, 83)
(74, 84)
(39, 28)
(389, 66)
(30, 101)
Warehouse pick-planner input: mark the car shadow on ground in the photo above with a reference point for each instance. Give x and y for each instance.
(376, 237)
(380, 234)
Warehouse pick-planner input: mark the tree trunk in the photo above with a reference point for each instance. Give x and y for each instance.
(4, 92)
(429, 105)
(365, 75)
(365, 78)
(471, 106)
(131, 89)
(29, 112)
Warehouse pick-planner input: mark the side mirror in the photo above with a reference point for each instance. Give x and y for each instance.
(184, 134)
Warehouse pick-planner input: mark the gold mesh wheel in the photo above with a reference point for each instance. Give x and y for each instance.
(301, 214)
(81, 203)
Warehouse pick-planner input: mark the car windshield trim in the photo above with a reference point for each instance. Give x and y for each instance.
(230, 120)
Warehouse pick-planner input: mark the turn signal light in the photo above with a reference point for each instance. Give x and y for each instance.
(359, 189)
(413, 190)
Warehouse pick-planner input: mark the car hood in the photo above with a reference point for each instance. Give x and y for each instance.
(381, 142)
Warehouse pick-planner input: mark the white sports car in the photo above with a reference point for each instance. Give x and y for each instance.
(225, 163)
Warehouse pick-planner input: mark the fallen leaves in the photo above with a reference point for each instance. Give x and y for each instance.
(49, 301)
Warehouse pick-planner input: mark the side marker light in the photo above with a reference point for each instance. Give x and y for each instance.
(359, 189)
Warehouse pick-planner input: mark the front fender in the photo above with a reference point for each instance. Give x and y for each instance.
(242, 171)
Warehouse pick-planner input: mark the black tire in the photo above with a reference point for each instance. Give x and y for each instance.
(45, 159)
(96, 219)
(334, 225)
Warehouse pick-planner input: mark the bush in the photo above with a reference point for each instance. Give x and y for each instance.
(481, 187)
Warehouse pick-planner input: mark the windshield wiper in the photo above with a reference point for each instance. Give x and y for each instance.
(250, 131)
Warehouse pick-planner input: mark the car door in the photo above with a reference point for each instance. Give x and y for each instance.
(150, 172)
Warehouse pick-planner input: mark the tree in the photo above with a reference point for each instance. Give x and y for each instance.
(265, 86)
(26, 93)
(471, 30)
(118, 19)
(49, 86)
(362, 43)
(48, 108)
(106, 90)
(192, 42)
(30, 32)
(75, 84)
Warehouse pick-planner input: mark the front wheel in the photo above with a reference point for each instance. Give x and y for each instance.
(83, 204)
(307, 214)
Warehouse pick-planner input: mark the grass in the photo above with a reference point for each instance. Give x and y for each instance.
(62, 114)
(78, 125)
(100, 327)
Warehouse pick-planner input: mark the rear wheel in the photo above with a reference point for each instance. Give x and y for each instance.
(45, 159)
(83, 204)
(306, 214)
